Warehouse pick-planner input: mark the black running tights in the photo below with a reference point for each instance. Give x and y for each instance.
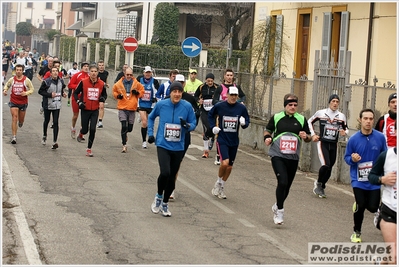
(365, 199)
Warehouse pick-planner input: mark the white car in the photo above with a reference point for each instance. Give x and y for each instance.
(162, 80)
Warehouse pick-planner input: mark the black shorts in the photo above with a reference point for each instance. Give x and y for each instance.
(20, 107)
(5, 67)
(386, 214)
(148, 110)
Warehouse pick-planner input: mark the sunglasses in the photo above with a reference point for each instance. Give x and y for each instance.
(292, 105)
(129, 74)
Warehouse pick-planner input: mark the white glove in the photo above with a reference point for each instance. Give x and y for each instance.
(242, 121)
(215, 130)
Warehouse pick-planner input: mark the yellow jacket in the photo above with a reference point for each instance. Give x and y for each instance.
(129, 101)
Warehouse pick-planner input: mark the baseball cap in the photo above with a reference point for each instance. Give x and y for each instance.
(147, 69)
(233, 90)
(193, 71)
(179, 78)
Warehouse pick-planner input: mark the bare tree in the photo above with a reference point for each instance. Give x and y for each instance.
(228, 15)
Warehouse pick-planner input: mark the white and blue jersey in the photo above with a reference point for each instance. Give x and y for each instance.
(149, 93)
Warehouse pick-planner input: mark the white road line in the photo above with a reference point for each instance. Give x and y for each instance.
(190, 157)
(245, 223)
(29, 245)
(204, 195)
(283, 248)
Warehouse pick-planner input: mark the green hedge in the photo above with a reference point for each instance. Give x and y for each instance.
(160, 57)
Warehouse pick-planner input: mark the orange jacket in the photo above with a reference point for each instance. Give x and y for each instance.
(129, 102)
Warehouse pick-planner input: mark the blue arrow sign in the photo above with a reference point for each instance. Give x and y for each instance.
(191, 46)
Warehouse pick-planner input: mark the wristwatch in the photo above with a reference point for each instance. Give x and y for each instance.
(380, 180)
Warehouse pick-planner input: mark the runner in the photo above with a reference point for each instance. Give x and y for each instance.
(103, 75)
(73, 83)
(21, 88)
(52, 90)
(204, 95)
(88, 95)
(127, 91)
(148, 100)
(288, 128)
(164, 89)
(386, 123)
(361, 152)
(384, 172)
(175, 118)
(332, 124)
(229, 115)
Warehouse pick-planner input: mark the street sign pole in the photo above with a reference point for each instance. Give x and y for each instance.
(191, 47)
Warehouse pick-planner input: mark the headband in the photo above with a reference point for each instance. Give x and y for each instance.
(286, 102)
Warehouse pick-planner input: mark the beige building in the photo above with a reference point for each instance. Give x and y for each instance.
(368, 30)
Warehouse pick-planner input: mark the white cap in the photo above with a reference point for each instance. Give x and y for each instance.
(233, 90)
(180, 78)
(147, 69)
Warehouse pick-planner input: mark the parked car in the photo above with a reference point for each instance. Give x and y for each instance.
(162, 80)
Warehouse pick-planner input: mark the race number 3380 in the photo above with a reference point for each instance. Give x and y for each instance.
(363, 170)
(288, 144)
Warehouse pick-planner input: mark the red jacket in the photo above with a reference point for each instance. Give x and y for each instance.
(76, 78)
(93, 93)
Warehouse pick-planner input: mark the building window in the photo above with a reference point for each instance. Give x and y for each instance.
(49, 5)
(273, 44)
(29, 21)
(126, 26)
(29, 5)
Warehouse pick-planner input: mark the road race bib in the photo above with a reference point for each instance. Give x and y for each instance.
(93, 94)
(330, 132)
(207, 104)
(146, 96)
(288, 144)
(18, 88)
(363, 170)
(57, 97)
(230, 124)
(172, 132)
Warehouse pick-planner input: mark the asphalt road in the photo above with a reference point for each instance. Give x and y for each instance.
(61, 207)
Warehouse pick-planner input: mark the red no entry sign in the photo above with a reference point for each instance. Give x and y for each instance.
(130, 44)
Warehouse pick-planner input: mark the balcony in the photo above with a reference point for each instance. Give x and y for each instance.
(83, 7)
(129, 6)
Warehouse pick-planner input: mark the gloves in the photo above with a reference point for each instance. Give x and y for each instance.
(82, 105)
(154, 100)
(242, 121)
(120, 96)
(215, 130)
(184, 124)
(135, 92)
(151, 139)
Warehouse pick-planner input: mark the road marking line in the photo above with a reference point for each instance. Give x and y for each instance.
(204, 195)
(283, 248)
(190, 157)
(28, 242)
(246, 223)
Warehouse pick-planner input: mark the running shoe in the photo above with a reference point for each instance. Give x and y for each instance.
(14, 140)
(356, 237)
(20, 124)
(323, 194)
(52, 125)
(216, 189)
(41, 111)
(88, 152)
(278, 215)
(100, 124)
(165, 210)
(44, 139)
(80, 138)
(221, 193)
(172, 196)
(205, 155)
(156, 205)
(376, 217)
(317, 190)
(211, 142)
(73, 133)
(54, 146)
(144, 145)
(124, 149)
(217, 160)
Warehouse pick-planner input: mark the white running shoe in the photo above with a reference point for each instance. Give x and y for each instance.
(221, 193)
(144, 145)
(172, 197)
(217, 160)
(278, 215)
(156, 205)
(216, 189)
(165, 210)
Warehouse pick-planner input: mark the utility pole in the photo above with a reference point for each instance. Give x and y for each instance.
(229, 46)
